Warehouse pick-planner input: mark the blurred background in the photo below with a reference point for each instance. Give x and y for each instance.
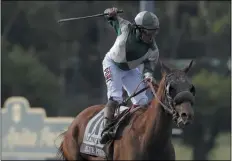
(58, 66)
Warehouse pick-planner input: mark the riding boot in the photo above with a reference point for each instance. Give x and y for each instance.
(108, 118)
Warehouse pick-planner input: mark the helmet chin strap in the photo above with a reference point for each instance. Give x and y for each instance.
(149, 41)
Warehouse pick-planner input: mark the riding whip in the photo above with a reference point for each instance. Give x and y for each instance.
(85, 17)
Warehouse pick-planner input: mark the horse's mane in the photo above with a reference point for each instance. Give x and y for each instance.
(160, 91)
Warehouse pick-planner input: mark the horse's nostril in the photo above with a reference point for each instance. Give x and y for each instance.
(184, 116)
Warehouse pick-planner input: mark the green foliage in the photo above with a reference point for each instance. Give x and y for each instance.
(220, 152)
(213, 91)
(211, 112)
(24, 75)
(219, 25)
(219, 16)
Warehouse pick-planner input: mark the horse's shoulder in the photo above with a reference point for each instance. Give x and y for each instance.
(137, 118)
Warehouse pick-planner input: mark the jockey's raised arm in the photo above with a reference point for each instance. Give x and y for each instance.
(118, 23)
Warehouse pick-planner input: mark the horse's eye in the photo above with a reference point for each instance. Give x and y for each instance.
(192, 90)
(171, 91)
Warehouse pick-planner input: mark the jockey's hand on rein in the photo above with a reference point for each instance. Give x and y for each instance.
(111, 12)
(148, 77)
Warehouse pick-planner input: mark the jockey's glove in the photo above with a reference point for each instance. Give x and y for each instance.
(149, 77)
(111, 13)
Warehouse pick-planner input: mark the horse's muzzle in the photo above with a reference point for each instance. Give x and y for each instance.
(185, 114)
(184, 101)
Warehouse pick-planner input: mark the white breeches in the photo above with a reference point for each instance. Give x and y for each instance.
(116, 79)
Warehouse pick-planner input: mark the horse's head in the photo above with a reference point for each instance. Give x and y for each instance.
(179, 94)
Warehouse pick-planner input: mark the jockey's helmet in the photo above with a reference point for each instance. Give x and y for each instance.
(148, 25)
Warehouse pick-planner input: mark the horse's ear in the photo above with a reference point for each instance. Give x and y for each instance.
(164, 68)
(186, 69)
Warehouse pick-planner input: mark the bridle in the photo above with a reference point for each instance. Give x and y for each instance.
(168, 101)
(168, 108)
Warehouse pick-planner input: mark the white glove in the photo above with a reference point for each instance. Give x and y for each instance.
(111, 12)
(148, 76)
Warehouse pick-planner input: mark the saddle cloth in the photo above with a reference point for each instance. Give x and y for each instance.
(91, 142)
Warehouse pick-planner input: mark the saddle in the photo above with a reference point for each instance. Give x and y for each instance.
(91, 142)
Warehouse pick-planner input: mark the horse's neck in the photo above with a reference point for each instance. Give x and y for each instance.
(158, 123)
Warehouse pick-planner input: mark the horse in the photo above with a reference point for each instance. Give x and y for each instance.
(146, 134)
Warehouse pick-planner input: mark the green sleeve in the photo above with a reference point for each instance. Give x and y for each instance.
(119, 24)
(115, 24)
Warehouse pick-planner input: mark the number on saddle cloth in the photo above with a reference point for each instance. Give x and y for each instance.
(91, 141)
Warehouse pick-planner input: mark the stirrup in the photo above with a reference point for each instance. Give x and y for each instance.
(104, 137)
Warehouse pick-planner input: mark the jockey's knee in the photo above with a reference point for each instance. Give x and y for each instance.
(142, 101)
(116, 99)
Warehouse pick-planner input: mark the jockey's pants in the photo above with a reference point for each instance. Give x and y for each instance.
(116, 79)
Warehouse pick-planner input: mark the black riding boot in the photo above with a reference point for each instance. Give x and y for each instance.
(108, 117)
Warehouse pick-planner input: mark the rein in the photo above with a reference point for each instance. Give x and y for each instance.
(135, 93)
(170, 111)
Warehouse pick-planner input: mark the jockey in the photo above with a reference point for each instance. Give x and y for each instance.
(134, 47)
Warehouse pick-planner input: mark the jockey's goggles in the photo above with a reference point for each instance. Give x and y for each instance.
(149, 32)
